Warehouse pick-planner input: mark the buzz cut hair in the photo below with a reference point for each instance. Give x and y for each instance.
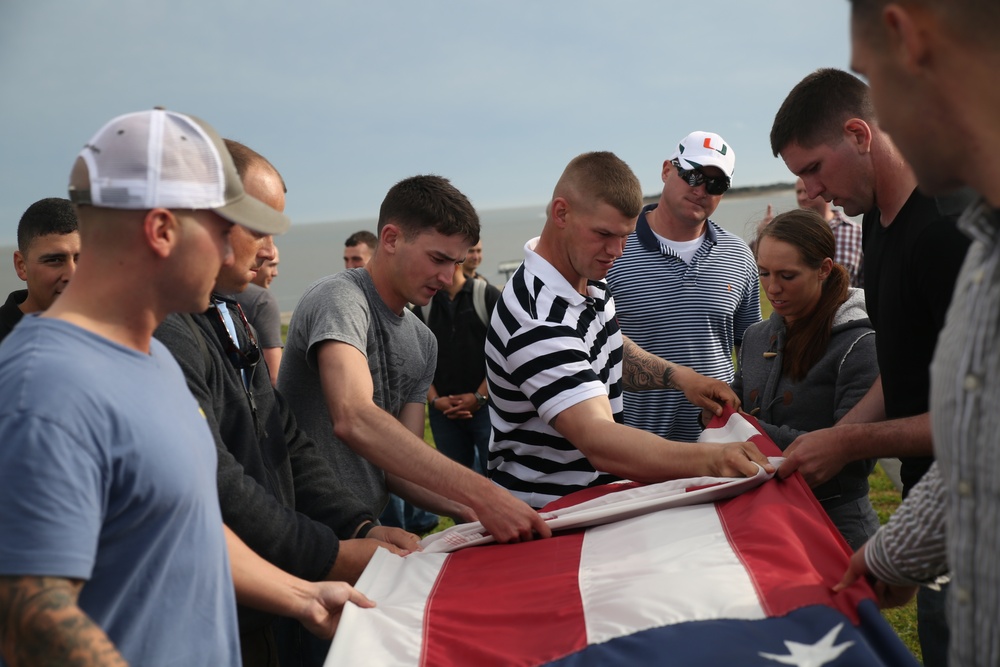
(53, 215)
(363, 237)
(602, 176)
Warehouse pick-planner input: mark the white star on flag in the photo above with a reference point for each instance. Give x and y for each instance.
(812, 655)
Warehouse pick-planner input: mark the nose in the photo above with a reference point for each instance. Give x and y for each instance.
(617, 248)
(814, 188)
(267, 249)
(70, 269)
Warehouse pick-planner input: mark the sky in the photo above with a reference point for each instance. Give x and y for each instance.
(347, 98)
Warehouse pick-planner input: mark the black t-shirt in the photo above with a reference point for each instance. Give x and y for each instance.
(910, 272)
(461, 336)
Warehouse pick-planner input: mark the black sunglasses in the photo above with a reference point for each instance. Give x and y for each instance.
(242, 359)
(714, 185)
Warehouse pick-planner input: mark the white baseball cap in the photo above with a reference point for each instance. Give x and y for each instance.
(164, 159)
(705, 149)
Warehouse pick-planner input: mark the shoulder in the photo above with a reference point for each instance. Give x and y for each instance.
(731, 244)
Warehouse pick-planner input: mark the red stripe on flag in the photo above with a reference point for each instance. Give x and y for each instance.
(532, 616)
(774, 560)
(583, 495)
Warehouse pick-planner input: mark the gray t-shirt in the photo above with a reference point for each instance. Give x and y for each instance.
(262, 311)
(401, 353)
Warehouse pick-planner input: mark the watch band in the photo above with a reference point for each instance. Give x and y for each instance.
(479, 397)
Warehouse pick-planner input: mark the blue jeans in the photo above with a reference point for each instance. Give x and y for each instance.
(463, 440)
(856, 520)
(932, 626)
(401, 514)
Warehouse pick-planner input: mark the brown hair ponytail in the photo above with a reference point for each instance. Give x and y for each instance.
(808, 337)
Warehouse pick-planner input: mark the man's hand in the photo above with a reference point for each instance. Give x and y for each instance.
(735, 459)
(354, 555)
(818, 455)
(707, 393)
(396, 536)
(508, 519)
(886, 595)
(459, 406)
(322, 604)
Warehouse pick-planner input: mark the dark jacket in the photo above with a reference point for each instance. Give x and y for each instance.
(787, 409)
(10, 314)
(277, 492)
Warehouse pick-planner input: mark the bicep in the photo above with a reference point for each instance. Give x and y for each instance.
(580, 423)
(344, 376)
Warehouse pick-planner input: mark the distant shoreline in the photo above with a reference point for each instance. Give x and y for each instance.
(744, 191)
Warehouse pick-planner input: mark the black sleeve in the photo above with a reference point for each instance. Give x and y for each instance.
(279, 534)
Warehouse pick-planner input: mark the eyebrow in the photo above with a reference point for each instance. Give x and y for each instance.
(54, 255)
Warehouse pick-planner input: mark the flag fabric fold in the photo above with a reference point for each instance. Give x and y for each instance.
(744, 580)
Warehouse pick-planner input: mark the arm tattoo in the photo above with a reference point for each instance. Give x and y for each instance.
(642, 370)
(41, 624)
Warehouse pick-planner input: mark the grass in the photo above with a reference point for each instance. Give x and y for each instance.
(885, 499)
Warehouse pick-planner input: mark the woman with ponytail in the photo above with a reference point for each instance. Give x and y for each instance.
(807, 365)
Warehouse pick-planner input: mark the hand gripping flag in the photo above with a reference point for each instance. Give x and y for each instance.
(708, 571)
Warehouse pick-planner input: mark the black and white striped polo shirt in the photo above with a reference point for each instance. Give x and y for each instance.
(549, 347)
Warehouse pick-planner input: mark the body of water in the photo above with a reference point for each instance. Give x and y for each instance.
(309, 252)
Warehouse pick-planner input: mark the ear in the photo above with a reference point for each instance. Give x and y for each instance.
(560, 212)
(667, 168)
(859, 134)
(162, 231)
(906, 36)
(389, 238)
(825, 268)
(20, 266)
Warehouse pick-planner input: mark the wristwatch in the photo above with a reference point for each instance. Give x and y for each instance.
(479, 397)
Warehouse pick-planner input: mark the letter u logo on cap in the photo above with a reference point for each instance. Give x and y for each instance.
(708, 144)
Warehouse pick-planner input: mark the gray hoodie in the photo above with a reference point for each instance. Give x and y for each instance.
(786, 409)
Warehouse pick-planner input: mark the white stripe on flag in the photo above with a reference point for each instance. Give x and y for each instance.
(392, 634)
(683, 551)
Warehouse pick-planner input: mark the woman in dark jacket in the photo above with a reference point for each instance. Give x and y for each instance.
(807, 365)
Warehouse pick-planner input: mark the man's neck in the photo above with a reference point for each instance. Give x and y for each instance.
(383, 285)
(894, 183)
(664, 224)
(100, 307)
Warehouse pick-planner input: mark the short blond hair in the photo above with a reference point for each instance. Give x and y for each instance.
(601, 176)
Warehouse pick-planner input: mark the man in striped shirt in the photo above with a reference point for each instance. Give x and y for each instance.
(557, 361)
(941, 56)
(686, 289)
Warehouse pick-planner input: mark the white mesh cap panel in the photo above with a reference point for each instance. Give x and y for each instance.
(154, 159)
(191, 171)
(163, 159)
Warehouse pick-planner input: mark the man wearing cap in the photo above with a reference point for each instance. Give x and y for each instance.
(685, 289)
(557, 361)
(113, 546)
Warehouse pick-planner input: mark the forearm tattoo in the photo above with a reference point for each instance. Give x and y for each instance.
(41, 624)
(642, 370)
